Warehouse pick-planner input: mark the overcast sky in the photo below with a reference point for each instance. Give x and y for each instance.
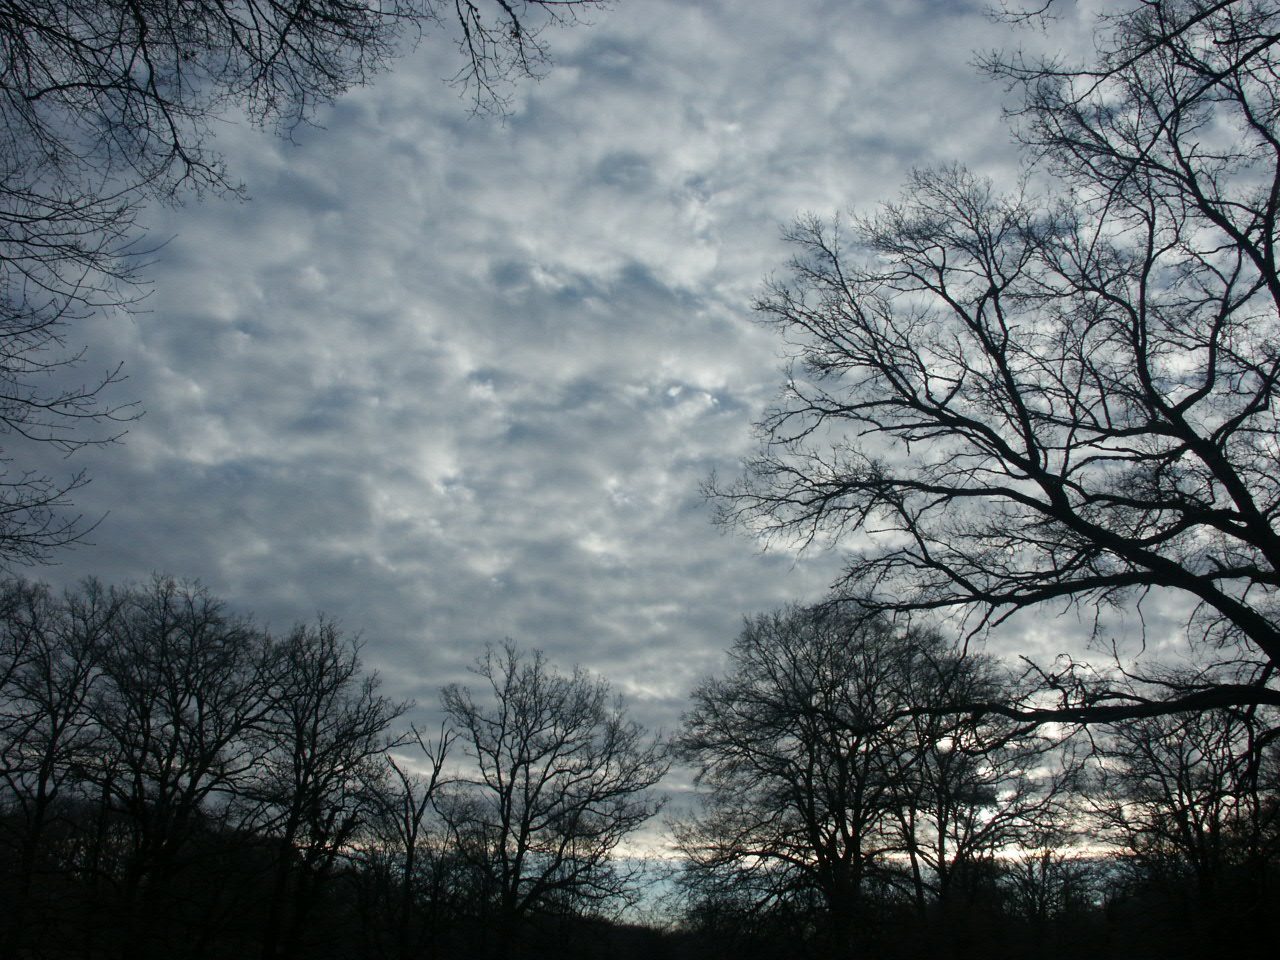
(451, 380)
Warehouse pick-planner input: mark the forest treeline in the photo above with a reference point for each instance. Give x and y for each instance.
(178, 781)
(877, 790)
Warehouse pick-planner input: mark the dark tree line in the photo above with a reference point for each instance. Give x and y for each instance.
(852, 806)
(176, 781)
(170, 770)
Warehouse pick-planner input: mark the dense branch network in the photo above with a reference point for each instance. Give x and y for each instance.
(1003, 400)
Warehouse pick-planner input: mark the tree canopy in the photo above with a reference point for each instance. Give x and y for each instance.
(827, 793)
(1066, 393)
(561, 777)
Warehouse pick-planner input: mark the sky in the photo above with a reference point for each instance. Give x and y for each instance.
(453, 379)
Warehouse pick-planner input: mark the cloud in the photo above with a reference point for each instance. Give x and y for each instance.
(452, 379)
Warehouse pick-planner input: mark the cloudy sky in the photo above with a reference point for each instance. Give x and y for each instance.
(452, 379)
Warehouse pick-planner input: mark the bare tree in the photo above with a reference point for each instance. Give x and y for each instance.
(1195, 796)
(53, 649)
(793, 747)
(1052, 880)
(185, 686)
(826, 781)
(172, 778)
(323, 745)
(126, 91)
(561, 777)
(107, 103)
(1068, 397)
(968, 791)
(64, 254)
(399, 846)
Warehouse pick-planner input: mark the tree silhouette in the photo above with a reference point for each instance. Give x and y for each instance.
(828, 786)
(324, 739)
(53, 650)
(562, 776)
(1066, 396)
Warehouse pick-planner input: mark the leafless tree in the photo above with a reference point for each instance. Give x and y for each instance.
(127, 91)
(65, 253)
(793, 746)
(185, 686)
(823, 777)
(399, 843)
(53, 652)
(172, 776)
(1194, 796)
(324, 740)
(561, 777)
(968, 792)
(1063, 396)
(1054, 881)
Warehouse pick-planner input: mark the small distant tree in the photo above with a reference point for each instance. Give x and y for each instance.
(402, 853)
(561, 776)
(1054, 882)
(968, 791)
(1193, 801)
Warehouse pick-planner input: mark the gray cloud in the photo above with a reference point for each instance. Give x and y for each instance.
(452, 380)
